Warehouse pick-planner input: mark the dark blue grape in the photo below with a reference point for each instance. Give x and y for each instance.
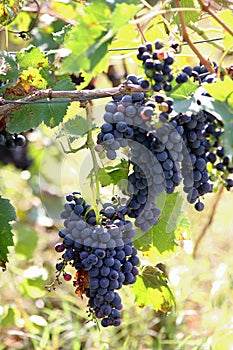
(105, 270)
(182, 78)
(108, 138)
(106, 128)
(199, 206)
(59, 266)
(109, 261)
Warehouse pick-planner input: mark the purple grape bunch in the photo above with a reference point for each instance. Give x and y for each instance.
(99, 247)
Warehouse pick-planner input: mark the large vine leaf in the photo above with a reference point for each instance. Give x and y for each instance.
(32, 115)
(221, 90)
(151, 288)
(183, 91)
(31, 59)
(89, 40)
(160, 240)
(7, 214)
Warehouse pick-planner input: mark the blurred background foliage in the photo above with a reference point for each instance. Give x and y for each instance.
(202, 283)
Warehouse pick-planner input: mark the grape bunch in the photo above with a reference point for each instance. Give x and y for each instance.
(157, 64)
(11, 141)
(201, 134)
(18, 157)
(164, 148)
(120, 116)
(201, 73)
(100, 248)
(156, 170)
(13, 148)
(155, 150)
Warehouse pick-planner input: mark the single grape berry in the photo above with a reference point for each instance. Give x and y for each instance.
(20, 140)
(67, 277)
(182, 78)
(59, 248)
(59, 266)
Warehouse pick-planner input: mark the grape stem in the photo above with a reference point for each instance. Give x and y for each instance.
(56, 281)
(186, 38)
(206, 8)
(70, 148)
(91, 145)
(138, 26)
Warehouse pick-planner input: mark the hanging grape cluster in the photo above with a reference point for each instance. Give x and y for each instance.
(165, 150)
(99, 246)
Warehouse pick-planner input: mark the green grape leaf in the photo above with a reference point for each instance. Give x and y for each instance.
(98, 50)
(60, 36)
(31, 57)
(121, 15)
(183, 91)
(114, 174)
(7, 214)
(190, 16)
(26, 240)
(91, 28)
(104, 178)
(220, 90)
(226, 17)
(152, 288)
(181, 106)
(76, 127)
(33, 78)
(118, 172)
(160, 240)
(32, 115)
(88, 42)
(183, 227)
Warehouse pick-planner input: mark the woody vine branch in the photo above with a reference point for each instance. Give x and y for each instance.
(7, 107)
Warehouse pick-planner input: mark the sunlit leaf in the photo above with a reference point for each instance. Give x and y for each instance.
(183, 91)
(31, 57)
(152, 288)
(89, 40)
(113, 174)
(221, 89)
(227, 17)
(160, 240)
